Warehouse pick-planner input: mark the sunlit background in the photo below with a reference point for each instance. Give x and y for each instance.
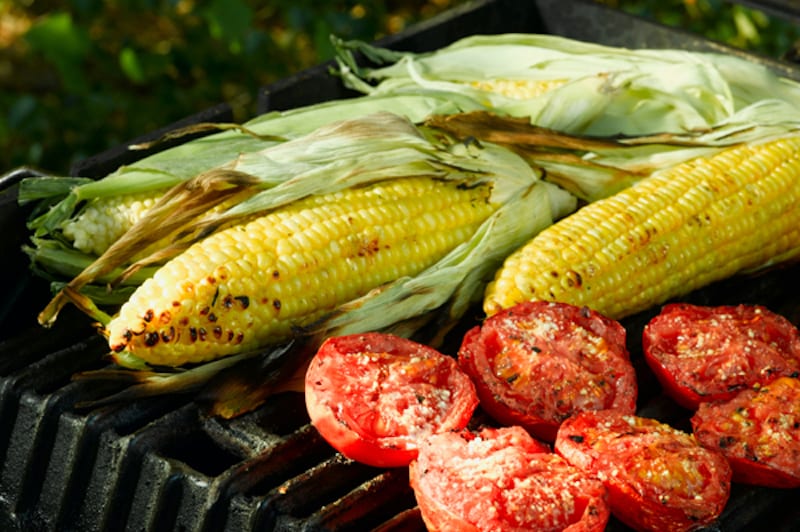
(77, 78)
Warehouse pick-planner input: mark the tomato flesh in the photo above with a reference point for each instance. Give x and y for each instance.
(758, 431)
(373, 396)
(658, 478)
(537, 363)
(701, 353)
(503, 479)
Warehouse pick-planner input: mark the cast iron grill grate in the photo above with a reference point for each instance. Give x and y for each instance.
(159, 464)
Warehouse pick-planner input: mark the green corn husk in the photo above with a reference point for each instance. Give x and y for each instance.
(604, 91)
(58, 200)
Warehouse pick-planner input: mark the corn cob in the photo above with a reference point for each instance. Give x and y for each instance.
(678, 230)
(258, 282)
(104, 220)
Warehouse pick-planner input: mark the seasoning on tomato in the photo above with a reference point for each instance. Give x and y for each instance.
(758, 431)
(658, 478)
(503, 479)
(373, 396)
(706, 353)
(537, 363)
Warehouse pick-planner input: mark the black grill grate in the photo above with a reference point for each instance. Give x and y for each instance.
(159, 464)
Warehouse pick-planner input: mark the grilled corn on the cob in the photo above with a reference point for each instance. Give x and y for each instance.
(256, 283)
(678, 230)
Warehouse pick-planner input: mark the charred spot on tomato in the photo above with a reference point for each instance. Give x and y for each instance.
(586, 312)
(244, 301)
(577, 438)
(420, 398)
(151, 339)
(536, 349)
(726, 441)
(510, 379)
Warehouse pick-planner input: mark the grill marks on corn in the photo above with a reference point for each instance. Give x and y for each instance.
(671, 233)
(257, 282)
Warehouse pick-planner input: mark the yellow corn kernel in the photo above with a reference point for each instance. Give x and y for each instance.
(676, 231)
(255, 283)
(517, 89)
(105, 219)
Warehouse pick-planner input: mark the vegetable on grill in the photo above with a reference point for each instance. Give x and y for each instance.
(325, 237)
(537, 363)
(659, 478)
(256, 283)
(76, 216)
(711, 353)
(757, 431)
(680, 229)
(375, 397)
(572, 86)
(503, 479)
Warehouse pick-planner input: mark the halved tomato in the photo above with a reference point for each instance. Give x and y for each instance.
(658, 478)
(374, 396)
(758, 431)
(537, 363)
(504, 480)
(703, 353)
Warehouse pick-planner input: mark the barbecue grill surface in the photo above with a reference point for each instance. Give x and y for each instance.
(159, 464)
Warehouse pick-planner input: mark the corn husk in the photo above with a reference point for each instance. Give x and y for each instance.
(600, 90)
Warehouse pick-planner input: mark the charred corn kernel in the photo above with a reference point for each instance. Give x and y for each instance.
(518, 89)
(105, 219)
(255, 283)
(678, 230)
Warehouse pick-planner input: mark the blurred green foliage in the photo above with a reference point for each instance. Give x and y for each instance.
(728, 22)
(79, 77)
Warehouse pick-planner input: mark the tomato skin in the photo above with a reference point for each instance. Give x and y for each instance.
(758, 431)
(701, 353)
(537, 363)
(373, 396)
(658, 478)
(503, 480)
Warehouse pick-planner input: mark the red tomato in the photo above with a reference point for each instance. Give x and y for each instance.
(658, 478)
(503, 480)
(758, 431)
(373, 396)
(537, 363)
(703, 353)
